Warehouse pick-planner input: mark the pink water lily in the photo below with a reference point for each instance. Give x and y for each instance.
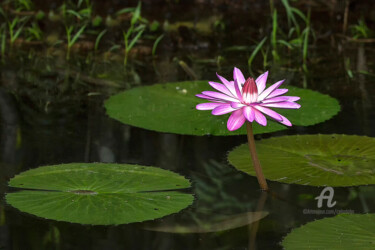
(248, 100)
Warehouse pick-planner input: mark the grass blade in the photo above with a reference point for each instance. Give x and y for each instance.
(134, 40)
(156, 44)
(77, 35)
(255, 52)
(136, 14)
(98, 38)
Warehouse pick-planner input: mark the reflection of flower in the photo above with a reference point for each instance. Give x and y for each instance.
(247, 100)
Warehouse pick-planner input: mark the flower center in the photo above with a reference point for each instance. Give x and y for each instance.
(249, 91)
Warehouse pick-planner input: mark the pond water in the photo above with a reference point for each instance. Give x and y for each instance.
(51, 112)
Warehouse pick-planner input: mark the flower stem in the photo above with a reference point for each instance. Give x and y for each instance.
(258, 169)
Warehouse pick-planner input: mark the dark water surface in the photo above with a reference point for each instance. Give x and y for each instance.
(51, 115)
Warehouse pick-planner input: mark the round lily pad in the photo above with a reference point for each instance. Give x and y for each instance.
(98, 193)
(345, 231)
(316, 160)
(170, 108)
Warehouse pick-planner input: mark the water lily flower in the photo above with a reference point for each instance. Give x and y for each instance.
(247, 100)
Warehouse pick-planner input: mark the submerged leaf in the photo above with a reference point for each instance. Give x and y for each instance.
(98, 193)
(206, 225)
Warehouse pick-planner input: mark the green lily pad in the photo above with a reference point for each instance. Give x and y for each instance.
(345, 231)
(316, 160)
(170, 108)
(98, 193)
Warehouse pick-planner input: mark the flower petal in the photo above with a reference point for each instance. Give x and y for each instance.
(223, 109)
(231, 88)
(237, 87)
(285, 121)
(268, 91)
(208, 98)
(249, 113)
(260, 118)
(293, 98)
(269, 112)
(208, 105)
(261, 82)
(236, 120)
(236, 105)
(277, 92)
(229, 85)
(276, 99)
(222, 79)
(219, 96)
(221, 87)
(237, 75)
(282, 105)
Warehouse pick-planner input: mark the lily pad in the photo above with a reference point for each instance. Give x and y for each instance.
(345, 231)
(98, 193)
(170, 108)
(316, 160)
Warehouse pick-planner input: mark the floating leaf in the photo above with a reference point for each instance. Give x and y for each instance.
(317, 160)
(345, 231)
(98, 193)
(204, 225)
(171, 108)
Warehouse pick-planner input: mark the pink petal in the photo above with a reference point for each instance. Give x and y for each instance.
(238, 88)
(223, 109)
(283, 105)
(237, 75)
(236, 105)
(260, 118)
(219, 96)
(293, 98)
(285, 121)
(227, 84)
(276, 99)
(208, 98)
(231, 88)
(261, 82)
(222, 79)
(236, 120)
(277, 92)
(208, 105)
(269, 112)
(268, 91)
(249, 113)
(221, 87)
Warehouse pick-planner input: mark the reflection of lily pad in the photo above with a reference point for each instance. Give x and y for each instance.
(317, 160)
(171, 108)
(100, 194)
(345, 231)
(217, 207)
(205, 225)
